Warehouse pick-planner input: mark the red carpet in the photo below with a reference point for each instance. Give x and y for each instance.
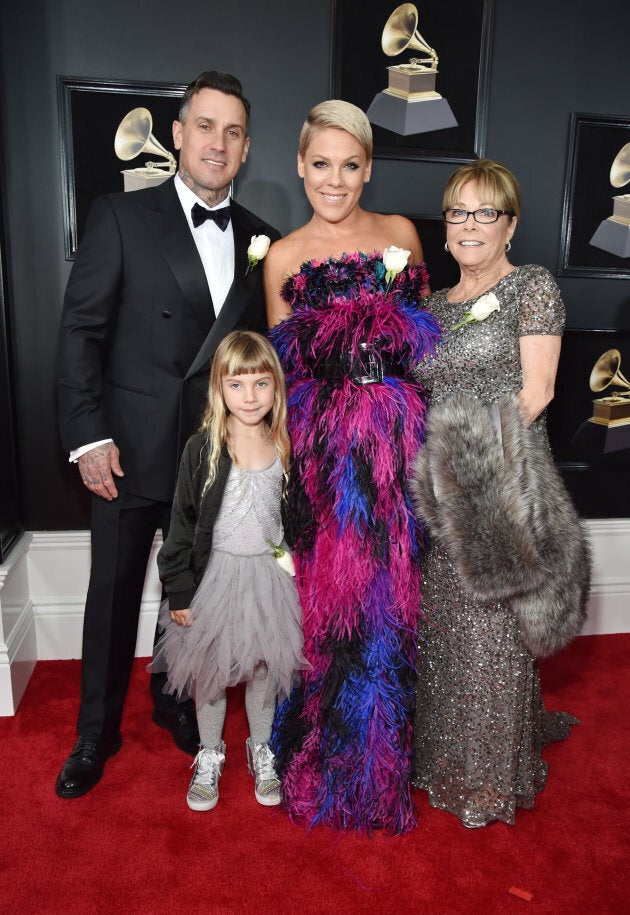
(132, 844)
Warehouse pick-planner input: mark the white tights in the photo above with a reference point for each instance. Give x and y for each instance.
(260, 713)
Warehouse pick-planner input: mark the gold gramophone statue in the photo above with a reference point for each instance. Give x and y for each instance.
(134, 137)
(608, 429)
(410, 104)
(613, 234)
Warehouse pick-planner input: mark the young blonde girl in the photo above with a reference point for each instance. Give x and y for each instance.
(232, 612)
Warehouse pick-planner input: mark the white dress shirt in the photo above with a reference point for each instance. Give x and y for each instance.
(216, 247)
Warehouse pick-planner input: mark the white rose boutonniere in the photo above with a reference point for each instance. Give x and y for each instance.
(482, 308)
(283, 557)
(394, 260)
(257, 250)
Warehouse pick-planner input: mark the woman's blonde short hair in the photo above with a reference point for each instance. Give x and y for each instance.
(496, 183)
(343, 116)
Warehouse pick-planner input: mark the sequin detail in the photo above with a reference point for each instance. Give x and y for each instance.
(479, 719)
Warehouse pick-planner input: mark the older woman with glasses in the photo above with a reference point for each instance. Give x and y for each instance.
(479, 718)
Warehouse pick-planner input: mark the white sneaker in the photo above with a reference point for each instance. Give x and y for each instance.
(203, 791)
(261, 764)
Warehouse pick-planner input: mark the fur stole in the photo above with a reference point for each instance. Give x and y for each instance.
(489, 492)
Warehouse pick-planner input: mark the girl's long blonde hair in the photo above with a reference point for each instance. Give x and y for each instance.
(243, 352)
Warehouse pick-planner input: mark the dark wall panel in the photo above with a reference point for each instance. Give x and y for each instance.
(548, 59)
(10, 508)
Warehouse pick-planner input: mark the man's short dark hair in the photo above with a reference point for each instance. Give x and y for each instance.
(214, 79)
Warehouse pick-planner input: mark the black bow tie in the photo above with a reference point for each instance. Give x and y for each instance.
(221, 217)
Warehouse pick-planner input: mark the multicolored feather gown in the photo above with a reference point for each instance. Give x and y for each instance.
(343, 740)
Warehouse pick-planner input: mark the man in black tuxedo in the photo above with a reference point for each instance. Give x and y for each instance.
(161, 276)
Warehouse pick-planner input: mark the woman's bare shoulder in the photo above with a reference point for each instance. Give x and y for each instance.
(399, 231)
(287, 255)
(400, 226)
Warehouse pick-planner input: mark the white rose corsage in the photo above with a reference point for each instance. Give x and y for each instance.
(258, 248)
(394, 260)
(482, 308)
(283, 557)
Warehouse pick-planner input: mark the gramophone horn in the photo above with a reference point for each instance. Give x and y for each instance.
(620, 169)
(606, 372)
(134, 137)
(401, 32)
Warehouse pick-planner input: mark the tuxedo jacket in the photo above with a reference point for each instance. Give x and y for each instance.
(138, 331)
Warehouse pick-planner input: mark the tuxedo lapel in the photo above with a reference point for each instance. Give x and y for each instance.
(169, 227)
(245, 285)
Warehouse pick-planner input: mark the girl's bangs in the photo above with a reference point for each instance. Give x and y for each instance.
(248, 364)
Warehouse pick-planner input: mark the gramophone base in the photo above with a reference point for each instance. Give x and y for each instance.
(604, 439)
(613, 237)
(406, 117)
(136, 179)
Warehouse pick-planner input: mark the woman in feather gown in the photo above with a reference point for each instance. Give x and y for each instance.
(348, 328)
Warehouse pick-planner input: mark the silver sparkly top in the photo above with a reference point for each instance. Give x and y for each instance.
(250, 511)
(482, 358)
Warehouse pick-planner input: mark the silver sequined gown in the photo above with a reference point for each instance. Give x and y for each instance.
(479, 719)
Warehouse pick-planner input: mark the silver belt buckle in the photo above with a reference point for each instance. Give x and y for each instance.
(370, 361)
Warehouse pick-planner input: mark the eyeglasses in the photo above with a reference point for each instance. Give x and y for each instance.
(485, 215)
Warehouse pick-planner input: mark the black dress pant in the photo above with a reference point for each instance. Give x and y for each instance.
(122, 535)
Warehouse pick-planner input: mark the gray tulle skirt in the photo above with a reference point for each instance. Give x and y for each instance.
(245, 610)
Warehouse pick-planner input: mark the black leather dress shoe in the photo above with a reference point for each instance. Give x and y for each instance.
(84, 767)
(182, 723)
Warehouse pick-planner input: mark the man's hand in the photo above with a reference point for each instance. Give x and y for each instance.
(97, 467)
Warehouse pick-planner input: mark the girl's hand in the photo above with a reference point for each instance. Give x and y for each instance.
(181, 617)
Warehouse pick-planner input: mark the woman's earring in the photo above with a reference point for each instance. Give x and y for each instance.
(446, 246)
(508, 247)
